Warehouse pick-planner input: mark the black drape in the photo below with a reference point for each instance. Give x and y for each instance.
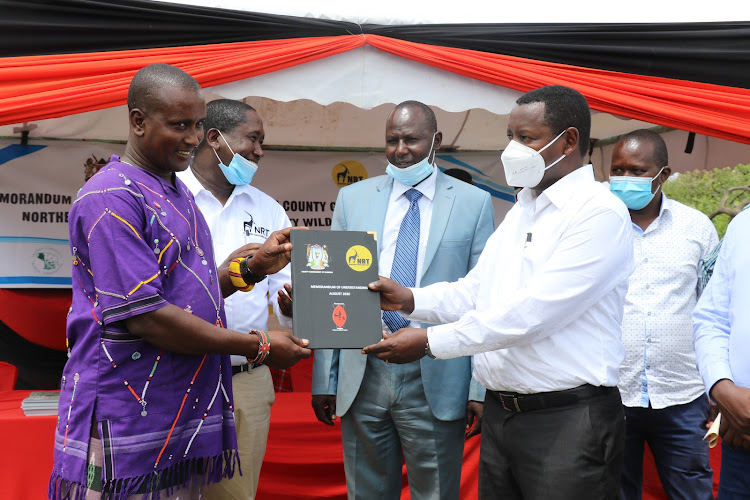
(715, 53)
(39, 367)
(703, 52)
(36, 27)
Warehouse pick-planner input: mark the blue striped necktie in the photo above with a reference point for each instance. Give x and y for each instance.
(404, 269)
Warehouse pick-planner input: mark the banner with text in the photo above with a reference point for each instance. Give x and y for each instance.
(39, 182)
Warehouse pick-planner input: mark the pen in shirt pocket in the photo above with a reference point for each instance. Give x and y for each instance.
(528, 240)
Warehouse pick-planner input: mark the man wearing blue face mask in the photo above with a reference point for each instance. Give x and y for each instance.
(241, 217)
(430, 227)
(662, 391)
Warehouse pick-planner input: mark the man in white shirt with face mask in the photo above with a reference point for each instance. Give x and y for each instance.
(240, 217)
(430, 227)
(540, 313)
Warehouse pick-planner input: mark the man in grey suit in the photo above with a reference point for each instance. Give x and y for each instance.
(430, 228)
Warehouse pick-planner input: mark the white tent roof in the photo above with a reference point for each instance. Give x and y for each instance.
(342, 101)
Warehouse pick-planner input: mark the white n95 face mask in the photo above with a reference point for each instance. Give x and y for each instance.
(524, 166)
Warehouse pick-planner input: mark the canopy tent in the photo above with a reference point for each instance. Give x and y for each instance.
(325, 74)
(64, 58)
(329, 83)
(324, 83)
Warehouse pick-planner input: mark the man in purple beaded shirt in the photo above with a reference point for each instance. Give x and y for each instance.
(146, 398)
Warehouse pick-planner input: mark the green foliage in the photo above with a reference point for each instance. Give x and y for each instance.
(704, 189)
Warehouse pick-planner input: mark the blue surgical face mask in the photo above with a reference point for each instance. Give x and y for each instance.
(635, 192)
(411, 176)
(240, 170)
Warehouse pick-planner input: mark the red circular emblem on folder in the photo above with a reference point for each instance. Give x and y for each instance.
(339, 315)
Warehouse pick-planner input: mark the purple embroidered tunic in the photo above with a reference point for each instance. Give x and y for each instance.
(139, 244)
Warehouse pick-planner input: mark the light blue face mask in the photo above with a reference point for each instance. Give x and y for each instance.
(240, 170)
(635, 192)
(411, 176)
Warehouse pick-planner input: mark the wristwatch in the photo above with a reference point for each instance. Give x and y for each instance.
(247, 274)
(427, 350)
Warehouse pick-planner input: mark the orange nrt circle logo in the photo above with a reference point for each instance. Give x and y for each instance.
(348, 172)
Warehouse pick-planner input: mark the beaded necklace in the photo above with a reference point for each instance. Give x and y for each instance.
(193, 226)
(192, 240)
(142, 398)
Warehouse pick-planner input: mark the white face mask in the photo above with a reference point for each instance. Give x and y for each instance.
(524, 166)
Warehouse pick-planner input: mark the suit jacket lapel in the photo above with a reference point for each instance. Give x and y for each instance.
(379, 206)
(442, 205)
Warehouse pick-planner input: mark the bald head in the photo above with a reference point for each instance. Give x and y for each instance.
(146, 88)
(418, 111)
(649, 143)
(411, 134)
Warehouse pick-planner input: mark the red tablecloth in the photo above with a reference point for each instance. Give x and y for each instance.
(303, 459)
(26, 459)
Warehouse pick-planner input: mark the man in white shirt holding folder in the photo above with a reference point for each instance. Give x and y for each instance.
(540, 313)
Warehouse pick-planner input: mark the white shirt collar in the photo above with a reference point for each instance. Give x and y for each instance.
(426, 187)
(665, 211)
(195, 186)
(191, 181)
(562, 190)
(666, 204)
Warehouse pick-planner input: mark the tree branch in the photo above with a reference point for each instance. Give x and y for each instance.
(724, 209)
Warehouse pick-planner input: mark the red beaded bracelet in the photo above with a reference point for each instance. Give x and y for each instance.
(264, 348)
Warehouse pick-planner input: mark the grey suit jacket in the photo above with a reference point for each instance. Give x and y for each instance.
(462, 220)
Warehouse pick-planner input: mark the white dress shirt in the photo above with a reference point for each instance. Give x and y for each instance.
(541, 311)
(721, 331)
(249, 216)
(398, 204)
(657, 328)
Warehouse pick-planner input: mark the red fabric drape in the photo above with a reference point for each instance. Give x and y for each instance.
(37, 315)
(696, 107)
(39, 87)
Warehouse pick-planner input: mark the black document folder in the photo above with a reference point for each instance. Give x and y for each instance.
(332, 305)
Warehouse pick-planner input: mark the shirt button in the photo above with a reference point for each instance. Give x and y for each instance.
(645, 260)
(648, 286)
(649, 313)
(648, 340)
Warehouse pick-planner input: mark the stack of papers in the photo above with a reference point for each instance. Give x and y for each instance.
(40, 403)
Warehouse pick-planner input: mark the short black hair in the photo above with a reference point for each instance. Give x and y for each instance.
(428, 112)
(224, 115)
(660, 154)
(563, 107)
(460, 174)
(146, 83)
